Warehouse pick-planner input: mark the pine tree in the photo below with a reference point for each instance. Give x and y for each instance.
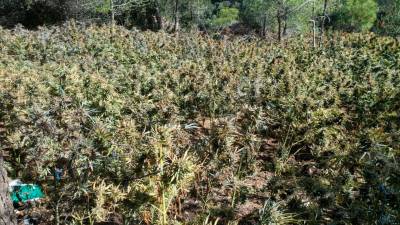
(355, 15)
(388, 17)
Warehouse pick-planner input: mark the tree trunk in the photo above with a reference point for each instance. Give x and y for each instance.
(112, 15)
(159, 18)
(7, 216)
(264, 25)
(324, 17)
(279, 26)
(176, 16)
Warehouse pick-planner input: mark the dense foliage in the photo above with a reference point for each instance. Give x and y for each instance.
(266, 17)
(172, 129)
(388, 17)
(359, 15)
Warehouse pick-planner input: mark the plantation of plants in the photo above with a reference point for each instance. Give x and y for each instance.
(157, 128)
